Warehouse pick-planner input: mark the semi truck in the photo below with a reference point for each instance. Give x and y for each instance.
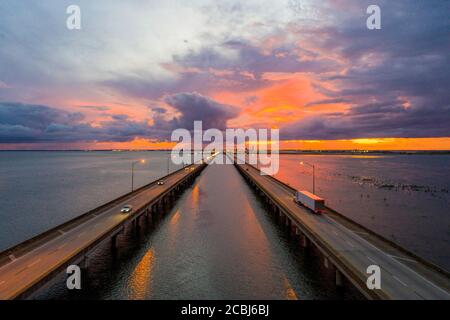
(311, 201)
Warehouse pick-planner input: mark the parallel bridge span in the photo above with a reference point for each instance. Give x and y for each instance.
(30, 265)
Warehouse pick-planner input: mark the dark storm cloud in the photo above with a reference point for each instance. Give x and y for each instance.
(159, 110)
(25, 123)
(194, 106)
(190, 106)
(21, 123)
(382, 121)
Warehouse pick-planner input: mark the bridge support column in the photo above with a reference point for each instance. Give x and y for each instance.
(287, 222)
(84, 265)
(304, 241)
(297, 231)
(339, 277)
(114, 242)
(136, 223)
(325, 262)
(293, 229)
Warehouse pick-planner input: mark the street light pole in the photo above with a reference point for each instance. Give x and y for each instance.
(132, 172)
(314, 174)
(168, 164)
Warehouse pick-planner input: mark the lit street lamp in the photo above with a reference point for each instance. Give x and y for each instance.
(132, 172)
(314, 174)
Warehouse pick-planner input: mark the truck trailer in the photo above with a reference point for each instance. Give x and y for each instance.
(311, 201)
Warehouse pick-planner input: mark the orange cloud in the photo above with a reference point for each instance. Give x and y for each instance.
(369, 144)
(285, 100)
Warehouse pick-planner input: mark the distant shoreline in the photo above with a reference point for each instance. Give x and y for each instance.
(293, 152)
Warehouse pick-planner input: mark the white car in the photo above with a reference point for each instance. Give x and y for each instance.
(126, 209)
(160, 183)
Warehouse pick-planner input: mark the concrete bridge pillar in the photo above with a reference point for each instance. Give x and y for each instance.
(325, 262)
(304, 241)
(136, 223)
(293, 229)
(339, 278)
(84, 269)
(84, 265)
(114, 242)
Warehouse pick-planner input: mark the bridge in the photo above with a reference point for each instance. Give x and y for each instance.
(350, 248)
(346, 246)
(27, 267)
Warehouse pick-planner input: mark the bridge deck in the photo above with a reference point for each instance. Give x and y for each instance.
(351, 252)
(30, 263)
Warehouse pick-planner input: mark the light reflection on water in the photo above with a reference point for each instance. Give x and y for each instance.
(140, 279)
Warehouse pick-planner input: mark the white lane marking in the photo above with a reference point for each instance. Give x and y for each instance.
(350, 244)
(62, 246)
(371, 259)
(33, 263)
(2, 282)
(402, 258)
(335, 232)
(61, 232)
(12, 257)
(400, 281)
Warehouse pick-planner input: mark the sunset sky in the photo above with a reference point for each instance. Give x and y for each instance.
(139, 69)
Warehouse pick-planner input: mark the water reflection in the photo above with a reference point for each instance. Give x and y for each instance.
(140, 279)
